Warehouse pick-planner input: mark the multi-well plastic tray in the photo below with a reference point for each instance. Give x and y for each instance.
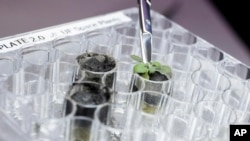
(185, 52)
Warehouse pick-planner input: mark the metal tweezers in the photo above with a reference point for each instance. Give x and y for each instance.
(146, 29)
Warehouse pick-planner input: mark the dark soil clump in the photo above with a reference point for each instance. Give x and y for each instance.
(90, 94)
(96, 62)
(157, 76)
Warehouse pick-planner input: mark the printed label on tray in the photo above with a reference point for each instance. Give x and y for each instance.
(66, 29)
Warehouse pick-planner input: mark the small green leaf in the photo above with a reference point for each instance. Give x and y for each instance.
(145, 75)
(156, 64)
(165, 69)
(151, 69)
(136, 58)
(140, 68)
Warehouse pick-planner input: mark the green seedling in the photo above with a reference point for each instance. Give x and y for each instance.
(145, 69)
